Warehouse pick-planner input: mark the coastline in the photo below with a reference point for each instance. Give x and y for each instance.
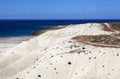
(38, 32)
(7, 43)
(55, 52)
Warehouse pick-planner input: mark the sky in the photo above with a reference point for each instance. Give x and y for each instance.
(59, 9)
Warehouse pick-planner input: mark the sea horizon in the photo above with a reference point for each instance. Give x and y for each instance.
(25, 27)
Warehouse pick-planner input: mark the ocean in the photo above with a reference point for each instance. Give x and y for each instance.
(16, 28)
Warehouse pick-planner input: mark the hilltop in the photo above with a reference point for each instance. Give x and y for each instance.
(57, 54)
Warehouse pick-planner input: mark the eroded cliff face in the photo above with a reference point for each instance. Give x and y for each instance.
(55, 55)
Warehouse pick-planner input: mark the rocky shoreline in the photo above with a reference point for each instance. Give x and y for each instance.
(38, 32)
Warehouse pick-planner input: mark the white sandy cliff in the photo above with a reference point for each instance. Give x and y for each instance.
(54, 55)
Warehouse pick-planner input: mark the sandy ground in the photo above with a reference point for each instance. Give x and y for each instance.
(55, 55)
(10, 42)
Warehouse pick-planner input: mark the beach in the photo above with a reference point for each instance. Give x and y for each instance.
(56, 55)
(59, 39)
(9, 42)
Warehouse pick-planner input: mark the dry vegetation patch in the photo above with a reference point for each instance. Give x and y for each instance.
(115, 25)
(100, 40)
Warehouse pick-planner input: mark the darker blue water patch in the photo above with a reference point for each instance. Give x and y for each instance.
(13, 28)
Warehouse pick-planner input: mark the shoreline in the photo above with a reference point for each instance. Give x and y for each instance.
(15, 40)
(7, 43)
(55, 52)
(38, 32)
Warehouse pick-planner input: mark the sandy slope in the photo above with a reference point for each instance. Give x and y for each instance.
(9, 42)
(54, 55)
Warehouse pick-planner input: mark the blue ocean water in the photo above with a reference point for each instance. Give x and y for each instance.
(13, 28)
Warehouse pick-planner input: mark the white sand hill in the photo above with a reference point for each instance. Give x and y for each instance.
(10, 42)
(54, 55)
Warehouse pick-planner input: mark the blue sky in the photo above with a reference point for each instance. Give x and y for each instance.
(59, 9)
